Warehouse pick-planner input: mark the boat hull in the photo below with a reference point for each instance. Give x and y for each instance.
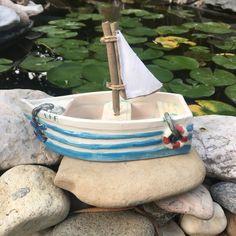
(85, 136)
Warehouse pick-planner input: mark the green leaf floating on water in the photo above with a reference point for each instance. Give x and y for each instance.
(67, 75)
(129, 22)
(135, 40)
(66, 24)
(39, 64)
(191, 91)
(173, 30)
(97, 73)
(161, 74)
(137, 12)
(228, 44)
(227, 61)
(216, 78)
(45, 28)
(74, 43)
(213, 27)
(181, 13)
(153, 16)
(157, 46)
(216, 107)
(60, 33)
(230, 92)
(89, 87)
(148, 54)
(177, 63)
(77, 16)
(141, 31)
(5, 64)
(50, 42)
(73, 53)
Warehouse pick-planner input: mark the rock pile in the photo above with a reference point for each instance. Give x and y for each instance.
(166, 197)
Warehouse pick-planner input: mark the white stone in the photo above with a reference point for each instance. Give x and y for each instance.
(30, 202)
(18, 144)
(131, 183)
(8, 18)
(214, 138)
(197, 202)
(225, 4)
(194, 226)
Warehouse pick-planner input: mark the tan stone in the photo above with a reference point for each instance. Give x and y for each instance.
(197, 202)
(194, 226)
(171, 229)
(231, 226)
(130, 183)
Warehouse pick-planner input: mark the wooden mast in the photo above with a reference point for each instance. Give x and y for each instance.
(113, 69)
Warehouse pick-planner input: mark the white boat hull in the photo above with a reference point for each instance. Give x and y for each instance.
(80, 132)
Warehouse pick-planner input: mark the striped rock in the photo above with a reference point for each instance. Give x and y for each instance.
(130, 183)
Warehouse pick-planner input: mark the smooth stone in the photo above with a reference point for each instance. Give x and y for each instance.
(125, 223)
(160, 216)
(231, 226)
(8, 18)
(30, 202)
(197, 202)
(194, 226)
(123, 184)
(224, 4)
(214, 138)
(18, 143)
(225, 194)
(171, 229)
(46, 232)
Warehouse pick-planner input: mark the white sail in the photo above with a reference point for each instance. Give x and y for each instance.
(137, 79)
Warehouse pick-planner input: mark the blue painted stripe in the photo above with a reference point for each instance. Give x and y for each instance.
(189, 128)
(95, 146)
(121, 156)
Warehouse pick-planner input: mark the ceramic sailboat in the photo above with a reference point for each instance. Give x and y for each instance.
(104, 126)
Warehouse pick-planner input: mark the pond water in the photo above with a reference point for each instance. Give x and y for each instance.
(192, 52)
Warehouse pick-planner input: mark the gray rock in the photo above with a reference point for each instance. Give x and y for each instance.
(214, 138)
(171, 229)
(224, 4)
(197, 202)
(225, 194)
(29, 201)
(160, 216)
(8, 18)
(18, 144)
(124, 223)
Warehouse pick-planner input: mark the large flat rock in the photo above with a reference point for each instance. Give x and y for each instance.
(214, 138)
(18, 144)
(130, 183)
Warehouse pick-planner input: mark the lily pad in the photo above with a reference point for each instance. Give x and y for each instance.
(136, 12)
(173, 29)
(5, 64)
(228, 44)
(45, 28)
(157, 46)
(60, 33)
(161, 74)
(214, 27)
(50, 42)
(128, 22)
(96, 73)
(197, 110)
(181, 13)
(191, 91)
(89, 87)
(141, 31)
(74, 43)
(202, 36)
(86, 16)
(72, 53)
(148, 54)
(173, 41)
(66, 24)
(153, 16)
(200, 49)
(216, 107)
(177, 63)
(135, 40)
(216, 78)
(227, 61)
(190, 25)
(230, 92)
(39, 64)
(67, 75)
